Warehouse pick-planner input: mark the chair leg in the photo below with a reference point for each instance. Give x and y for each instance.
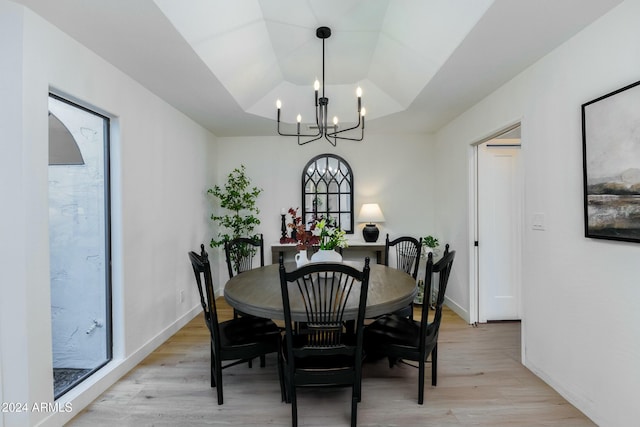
(421, 364)
(357, 387)
(354, 410)
(392, 361)
(213, 368)
(287, 389)
(263, 362)
(434, 365)
(216, 374)
(219, 381)
(294, 405)
(283, 393)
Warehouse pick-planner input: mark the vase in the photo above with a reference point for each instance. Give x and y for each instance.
(301, 258)
(326, 255)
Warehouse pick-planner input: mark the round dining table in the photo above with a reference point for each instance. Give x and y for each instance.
(257, 292)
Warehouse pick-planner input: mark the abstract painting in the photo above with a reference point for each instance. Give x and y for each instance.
(611, 165)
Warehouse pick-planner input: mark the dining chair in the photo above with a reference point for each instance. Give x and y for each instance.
(399, 338)
(323, 353)
(406, 251)
(239, 340)
(241, 255)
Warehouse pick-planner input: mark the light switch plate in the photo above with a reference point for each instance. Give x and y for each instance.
(537, 221)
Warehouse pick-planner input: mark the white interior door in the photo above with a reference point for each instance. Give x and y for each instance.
(499, 231)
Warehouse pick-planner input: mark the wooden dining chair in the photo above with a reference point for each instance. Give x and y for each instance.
(242, 254)
(239, 340)
(406, 251)
(399, 338)
(323, 353)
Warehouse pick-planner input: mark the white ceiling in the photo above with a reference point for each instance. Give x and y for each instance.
(420, 63)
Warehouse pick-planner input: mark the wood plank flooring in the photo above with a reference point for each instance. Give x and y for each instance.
(480, 383)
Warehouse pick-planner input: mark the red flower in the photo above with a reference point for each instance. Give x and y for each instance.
(299, 234)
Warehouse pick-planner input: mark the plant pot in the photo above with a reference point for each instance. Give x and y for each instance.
(426, 250)
(326, 255)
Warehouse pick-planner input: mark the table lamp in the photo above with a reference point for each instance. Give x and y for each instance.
(370, 213)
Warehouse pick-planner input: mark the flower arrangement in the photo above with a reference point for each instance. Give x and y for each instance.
(331, 236)
(299, 234)
(322, 232)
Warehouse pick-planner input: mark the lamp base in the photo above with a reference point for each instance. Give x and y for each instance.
(370, 233)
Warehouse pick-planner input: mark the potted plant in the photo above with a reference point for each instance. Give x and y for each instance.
(430, 244)
(331, 237)
(238, 198)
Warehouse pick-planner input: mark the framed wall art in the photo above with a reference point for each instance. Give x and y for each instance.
(611, 165)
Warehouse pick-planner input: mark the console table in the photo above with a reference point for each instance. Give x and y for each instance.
(290, 248)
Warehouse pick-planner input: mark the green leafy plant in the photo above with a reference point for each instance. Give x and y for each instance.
(331, 237)
(431, 244)
(239, 199)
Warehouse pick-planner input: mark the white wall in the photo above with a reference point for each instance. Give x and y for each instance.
(17, 315)
(395, 171)
(581, 297)
(160, 161)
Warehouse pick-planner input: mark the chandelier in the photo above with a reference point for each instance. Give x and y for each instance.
(330, 132)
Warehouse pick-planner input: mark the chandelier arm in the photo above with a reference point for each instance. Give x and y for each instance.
(360, 122)
(311, 140)
(298, 134)
(334, 142)
(344, 138)
(335, 133)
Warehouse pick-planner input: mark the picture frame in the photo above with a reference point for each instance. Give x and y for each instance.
(611, 165)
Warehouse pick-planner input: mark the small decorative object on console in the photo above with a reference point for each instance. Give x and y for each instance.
(300, 235)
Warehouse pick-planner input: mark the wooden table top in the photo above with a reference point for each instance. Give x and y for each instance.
(257, 292)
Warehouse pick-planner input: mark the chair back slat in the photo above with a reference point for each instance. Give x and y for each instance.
(325, 296)
(325, 290)
(241, 254)
(202, 271)
(407, 253)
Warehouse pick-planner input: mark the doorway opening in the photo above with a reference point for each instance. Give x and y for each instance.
(79, 239)
(498, 227)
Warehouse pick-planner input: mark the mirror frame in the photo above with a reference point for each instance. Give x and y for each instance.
(334, 185)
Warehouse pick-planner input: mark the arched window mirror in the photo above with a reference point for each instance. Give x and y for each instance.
(327, 190)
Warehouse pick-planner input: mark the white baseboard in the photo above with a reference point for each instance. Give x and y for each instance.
(87, 391)
(577, 400)
(460, 311)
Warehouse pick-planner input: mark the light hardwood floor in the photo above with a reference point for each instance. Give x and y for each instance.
(480, 383)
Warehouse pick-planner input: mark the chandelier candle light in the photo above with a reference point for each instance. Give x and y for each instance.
(370, 213)
(321, 103)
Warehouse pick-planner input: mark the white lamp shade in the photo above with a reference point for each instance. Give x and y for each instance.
(370, 213)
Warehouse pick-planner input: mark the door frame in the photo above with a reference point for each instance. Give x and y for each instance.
(474, 277)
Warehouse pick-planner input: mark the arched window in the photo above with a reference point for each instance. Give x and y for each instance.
(327, 190)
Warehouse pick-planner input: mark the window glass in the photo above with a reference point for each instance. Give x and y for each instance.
(79, 242)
